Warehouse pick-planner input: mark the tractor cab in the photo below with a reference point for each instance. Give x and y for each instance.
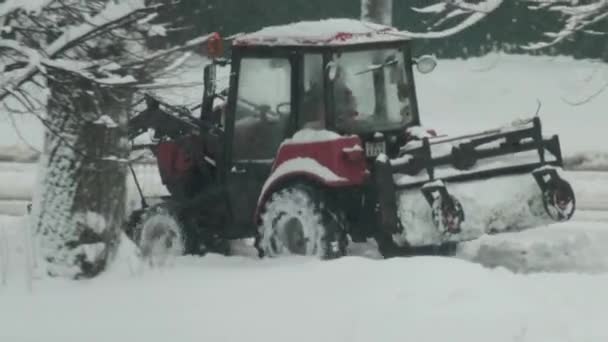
(340, 75)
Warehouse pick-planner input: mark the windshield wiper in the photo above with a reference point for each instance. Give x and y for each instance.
(375, 67)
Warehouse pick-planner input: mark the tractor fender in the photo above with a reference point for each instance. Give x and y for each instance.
(301, 169)
(327, 159)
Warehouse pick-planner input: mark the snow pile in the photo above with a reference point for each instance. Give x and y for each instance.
(589, 161)
(566, 247)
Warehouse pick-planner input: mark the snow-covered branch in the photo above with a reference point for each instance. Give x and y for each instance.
(578, 17)
(114, 15)
(169, 52)
(10, 6)
(448, 9)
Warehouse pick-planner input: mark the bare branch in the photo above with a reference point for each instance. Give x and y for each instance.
(578, 18)
(452, 8)
(110, 18)
(588, 98)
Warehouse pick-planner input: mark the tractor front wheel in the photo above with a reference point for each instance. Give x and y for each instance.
(299, 220)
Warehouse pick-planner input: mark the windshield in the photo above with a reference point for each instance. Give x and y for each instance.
(371, 90)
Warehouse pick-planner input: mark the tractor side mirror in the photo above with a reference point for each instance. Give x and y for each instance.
(426, 64)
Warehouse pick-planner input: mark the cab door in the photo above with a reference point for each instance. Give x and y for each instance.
(262, 119)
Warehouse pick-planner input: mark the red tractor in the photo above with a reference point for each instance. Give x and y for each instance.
(304, 150)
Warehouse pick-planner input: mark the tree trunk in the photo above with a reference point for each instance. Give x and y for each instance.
(80, 205)
(377, 11)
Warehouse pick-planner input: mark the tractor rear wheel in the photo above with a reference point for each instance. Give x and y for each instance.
(299, 220)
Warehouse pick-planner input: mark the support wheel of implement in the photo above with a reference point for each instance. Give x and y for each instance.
(558, 199)
(299, 220)
(159, 234)
(447, 214)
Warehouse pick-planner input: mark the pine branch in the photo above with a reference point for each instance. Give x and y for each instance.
(72, 37)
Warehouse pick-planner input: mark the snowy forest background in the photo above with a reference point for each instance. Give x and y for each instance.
(512, 25)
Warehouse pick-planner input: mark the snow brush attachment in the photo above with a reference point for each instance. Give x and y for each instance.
(446, 211)
(467, 162)
(557, 194)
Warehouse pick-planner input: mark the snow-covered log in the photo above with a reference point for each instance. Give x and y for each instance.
(80, 206)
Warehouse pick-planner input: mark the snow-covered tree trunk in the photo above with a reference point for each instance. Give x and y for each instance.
(377, 11)
(80, 206)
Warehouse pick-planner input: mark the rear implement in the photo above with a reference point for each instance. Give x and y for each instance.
(515, 164)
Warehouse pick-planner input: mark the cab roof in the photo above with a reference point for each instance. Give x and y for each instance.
(328, 32)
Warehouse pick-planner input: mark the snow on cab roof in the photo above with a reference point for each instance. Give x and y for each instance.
(323, 32)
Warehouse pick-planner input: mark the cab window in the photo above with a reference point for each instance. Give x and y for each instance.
(262, 108)
(312, 105)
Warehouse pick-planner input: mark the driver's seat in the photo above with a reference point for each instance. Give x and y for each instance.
(258, 137)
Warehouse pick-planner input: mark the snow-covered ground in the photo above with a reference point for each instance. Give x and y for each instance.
(498, 288)
(302, 299)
